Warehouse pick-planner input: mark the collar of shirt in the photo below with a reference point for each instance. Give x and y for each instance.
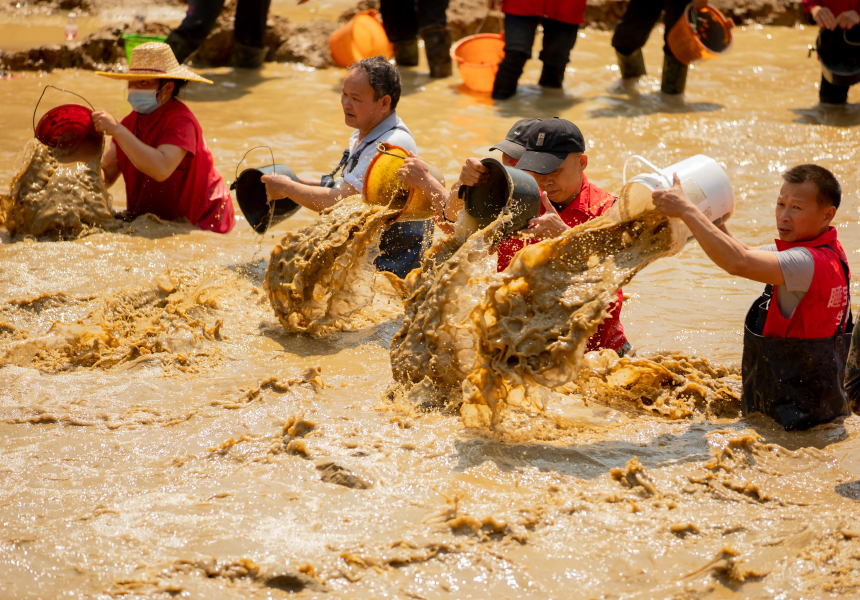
(389, 122)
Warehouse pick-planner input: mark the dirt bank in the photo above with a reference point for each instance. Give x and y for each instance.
(307, 43)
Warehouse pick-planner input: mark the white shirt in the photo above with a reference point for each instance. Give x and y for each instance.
(798, 268)
(391, 130)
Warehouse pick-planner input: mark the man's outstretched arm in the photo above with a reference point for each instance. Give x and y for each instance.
(313, 197)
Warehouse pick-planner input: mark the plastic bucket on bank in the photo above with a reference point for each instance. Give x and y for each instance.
(506, 189)
(702, 179)
(382, 187)
(133, 40)
(362, 37)
(700, 35)
(478, 58)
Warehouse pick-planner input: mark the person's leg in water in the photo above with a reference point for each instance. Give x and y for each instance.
(630, 36)
(829, 93)
(400, 21)
(195, 27)
(519, 39)
(433, 27)
(674, 71)
(250, 31)
(558, 41)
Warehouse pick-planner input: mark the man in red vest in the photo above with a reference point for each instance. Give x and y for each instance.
(796, 335)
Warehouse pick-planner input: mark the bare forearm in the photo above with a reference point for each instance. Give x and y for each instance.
(148, 160)
(315, 198)
(455, 203)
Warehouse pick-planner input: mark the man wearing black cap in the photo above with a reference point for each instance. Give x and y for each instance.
(555, 157)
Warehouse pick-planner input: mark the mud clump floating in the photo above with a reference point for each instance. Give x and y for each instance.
(322, 279)
(48, 197)
(535, 320)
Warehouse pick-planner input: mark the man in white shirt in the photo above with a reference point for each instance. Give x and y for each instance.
(369, 98)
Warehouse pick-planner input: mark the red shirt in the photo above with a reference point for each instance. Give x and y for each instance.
(195, 190)
(837, 7)
(590, 203)
(566, 11)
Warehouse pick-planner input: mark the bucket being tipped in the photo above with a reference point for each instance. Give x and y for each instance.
(251, 195)
(478, 58)
(703, 180)
(382, 187)
(68, 129)
(700, 35)
(506, 189)
(362, 37)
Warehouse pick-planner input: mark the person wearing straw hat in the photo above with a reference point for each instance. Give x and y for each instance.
(159, 148)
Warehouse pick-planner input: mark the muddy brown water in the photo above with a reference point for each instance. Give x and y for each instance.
(149, 451)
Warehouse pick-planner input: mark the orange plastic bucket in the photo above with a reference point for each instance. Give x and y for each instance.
(478, 58)
(362, 37)
(709, 38)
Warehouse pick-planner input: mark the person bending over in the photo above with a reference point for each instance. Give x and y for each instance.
(369, 98)
(159, 148)
(793, 358)
(832, 15)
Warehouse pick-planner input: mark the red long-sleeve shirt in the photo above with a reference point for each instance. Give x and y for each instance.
(837, 7)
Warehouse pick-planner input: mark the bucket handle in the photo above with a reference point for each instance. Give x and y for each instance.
(249, 151)
(42, 95)
(646, 162)
(845, 37)
(498, 15)
(380, 147)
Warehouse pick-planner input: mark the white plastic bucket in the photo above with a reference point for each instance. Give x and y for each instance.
(702, 179)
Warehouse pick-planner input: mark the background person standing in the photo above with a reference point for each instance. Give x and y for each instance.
(405, 20)
(832, 15)
(249, 29)
(632, 32)
(560, 20)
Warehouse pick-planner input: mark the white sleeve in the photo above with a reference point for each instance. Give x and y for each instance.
(398, 137)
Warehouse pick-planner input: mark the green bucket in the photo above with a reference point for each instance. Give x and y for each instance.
(133, 40)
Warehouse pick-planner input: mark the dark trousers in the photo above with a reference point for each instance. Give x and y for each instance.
(832, 94)
(249, 26)
(639, 19)
(403, 19)
(558, 41)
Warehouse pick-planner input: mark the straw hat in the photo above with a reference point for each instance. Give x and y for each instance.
(155, 60)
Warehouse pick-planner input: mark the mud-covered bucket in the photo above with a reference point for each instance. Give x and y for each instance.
(382, 187)
(251, 195)
(362, 37)
(700, 35)
(702, 179)
(478, 58)
(506, 189)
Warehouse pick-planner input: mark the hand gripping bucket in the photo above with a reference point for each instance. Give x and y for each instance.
(362, 37)
(478, 58)
(252, 199)
(703, 180)
(700, 35)
(839, 55)
(68, 129)
(506, 189)
(382, 187)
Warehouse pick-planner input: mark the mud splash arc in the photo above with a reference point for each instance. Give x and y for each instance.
(150, 452)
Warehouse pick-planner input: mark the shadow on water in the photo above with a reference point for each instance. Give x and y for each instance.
(305, 345)
(834, 115)
(649, 104)
(850, 490)
(818, 437)
(227, 86)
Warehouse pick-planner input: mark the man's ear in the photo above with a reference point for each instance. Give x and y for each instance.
(583, 160)
(386, 102)
(830, 213)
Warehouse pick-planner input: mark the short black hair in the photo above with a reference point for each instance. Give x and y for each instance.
(829, 190)
(178, 84)
(383, 77)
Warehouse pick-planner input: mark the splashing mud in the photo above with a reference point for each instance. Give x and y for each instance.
(50, 197)
(322, 279)
(436, 341)
(535, 321)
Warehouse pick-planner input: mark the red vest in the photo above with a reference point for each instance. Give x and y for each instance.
(821, 309)
(566, 11)
(590, 203)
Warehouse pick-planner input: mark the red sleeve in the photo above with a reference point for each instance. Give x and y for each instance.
(808, 4)
(180, 132)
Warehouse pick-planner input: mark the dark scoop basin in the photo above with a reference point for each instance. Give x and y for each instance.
(840, 61)
(251, 195)
(506, 188)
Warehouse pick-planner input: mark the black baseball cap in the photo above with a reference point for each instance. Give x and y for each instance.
(549, 144)
(514, 143)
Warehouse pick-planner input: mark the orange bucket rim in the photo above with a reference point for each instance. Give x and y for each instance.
(471, 38)
(723, 21)
(390, 148)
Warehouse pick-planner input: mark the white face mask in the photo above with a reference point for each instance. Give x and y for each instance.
(143, 101)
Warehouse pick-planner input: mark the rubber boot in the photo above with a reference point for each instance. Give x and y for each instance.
(674, 76)
(406, 53)
(552, 75)
(248, 57)
(631, 66)
(181, 47)
(437, 46)
(508, 74)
